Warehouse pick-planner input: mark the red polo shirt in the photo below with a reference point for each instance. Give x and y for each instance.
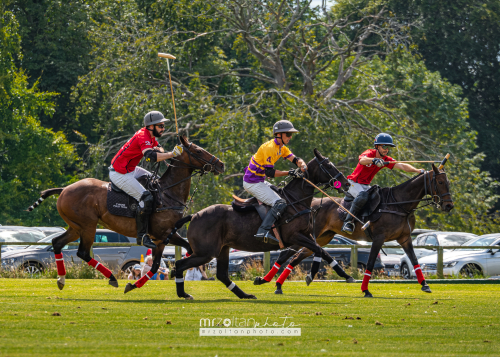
(129, 156)
(364, 174)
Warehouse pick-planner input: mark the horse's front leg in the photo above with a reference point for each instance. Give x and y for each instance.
(407, 245)
(157, 255)
(282, 259)
(378, 242)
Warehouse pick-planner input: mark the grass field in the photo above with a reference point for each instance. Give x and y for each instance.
(96, 319)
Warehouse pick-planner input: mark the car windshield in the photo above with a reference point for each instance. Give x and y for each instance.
(481, 241)
(20, 236)
(45, 240)
(455, 239)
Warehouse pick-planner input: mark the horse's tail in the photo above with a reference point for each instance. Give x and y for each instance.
(183, 221)
(44, 195)
(178, 225)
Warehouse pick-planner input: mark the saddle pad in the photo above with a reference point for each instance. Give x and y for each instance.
(374, 200)
(121, 204)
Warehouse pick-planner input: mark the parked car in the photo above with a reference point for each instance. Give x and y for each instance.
(47, 231)
(238, 260)
(432, 239)
(418, 231)
(468, 262)
(18, 236)
(37, 257)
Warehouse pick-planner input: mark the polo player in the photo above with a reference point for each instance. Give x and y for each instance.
(125, 173)
(262, 165)
(370, 162)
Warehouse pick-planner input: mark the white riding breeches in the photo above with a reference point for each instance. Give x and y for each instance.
(262, 191)
(128, 182)
(356, 188)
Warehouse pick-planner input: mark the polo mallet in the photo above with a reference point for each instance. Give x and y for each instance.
(169, 56)
(409, 162)
(365, 225)
(441, 165)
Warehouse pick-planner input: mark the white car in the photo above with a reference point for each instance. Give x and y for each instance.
(468, 262)
(442, 239)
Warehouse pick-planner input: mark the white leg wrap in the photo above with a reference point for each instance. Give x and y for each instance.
(231, 287)
(317, 259)
(332, 264)
(179, 280)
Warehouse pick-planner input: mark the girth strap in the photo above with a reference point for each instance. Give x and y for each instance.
(393, 212)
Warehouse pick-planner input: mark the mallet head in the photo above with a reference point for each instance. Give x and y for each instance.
(165, 55)
(366, 225)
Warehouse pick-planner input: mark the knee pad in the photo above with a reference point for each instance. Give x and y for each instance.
(279, 206)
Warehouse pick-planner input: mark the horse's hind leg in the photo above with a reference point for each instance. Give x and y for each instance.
(284, 256)
(86, 241)
(223, 275)
(157, 254)
(408, 248)
(184, 264)
(58, 244)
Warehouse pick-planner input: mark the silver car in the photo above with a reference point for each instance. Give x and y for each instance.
(37, 257)
(18, 236)
(441, 239)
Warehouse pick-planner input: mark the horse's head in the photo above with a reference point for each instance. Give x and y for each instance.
(440, 189)
(200, 159)
(322, 171)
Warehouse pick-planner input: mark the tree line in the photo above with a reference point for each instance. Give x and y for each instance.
(77, 77)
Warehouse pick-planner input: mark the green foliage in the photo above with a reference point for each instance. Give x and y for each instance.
(32, 158)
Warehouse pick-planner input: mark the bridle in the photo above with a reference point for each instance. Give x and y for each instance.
(435, 197)
(209, 166)
(333, 179)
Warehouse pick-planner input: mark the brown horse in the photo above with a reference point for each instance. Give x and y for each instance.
(390, 226)
(83, 205)
(216, 229)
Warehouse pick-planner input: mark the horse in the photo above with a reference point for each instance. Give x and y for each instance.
(392, 225)
(216, 229)
(83, 204)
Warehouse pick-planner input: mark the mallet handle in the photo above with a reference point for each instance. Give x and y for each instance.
(365, 225)
(407, 162)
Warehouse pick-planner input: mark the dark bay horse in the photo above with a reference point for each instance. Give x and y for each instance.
(216, 229)
(83, 205)
(402, 199)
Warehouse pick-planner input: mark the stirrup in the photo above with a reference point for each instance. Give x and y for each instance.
(266, 238)
(348, 227)
(146, 241)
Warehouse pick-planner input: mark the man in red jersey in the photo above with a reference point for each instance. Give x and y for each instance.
(125, 173)
(370, 162)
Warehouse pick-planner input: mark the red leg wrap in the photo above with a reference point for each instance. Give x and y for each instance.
(61, 269)
(269, 276)
(418, 273)
(139, 283)
(366, 280)
(187, 255)
(285, 274)
(100, 268)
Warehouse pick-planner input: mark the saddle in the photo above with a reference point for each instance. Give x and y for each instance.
(252, 205)
(370, 211)
(121, 203)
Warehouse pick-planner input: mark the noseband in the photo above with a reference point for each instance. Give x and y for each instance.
(436, 197)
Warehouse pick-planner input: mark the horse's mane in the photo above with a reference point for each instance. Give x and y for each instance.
(407, 182)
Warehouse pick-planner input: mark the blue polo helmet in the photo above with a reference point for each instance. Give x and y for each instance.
(384, 139)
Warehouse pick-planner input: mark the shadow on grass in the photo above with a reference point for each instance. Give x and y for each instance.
(258, 301)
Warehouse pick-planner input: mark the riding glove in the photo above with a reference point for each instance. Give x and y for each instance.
(177, 150)
(295, 173)
(378, 162)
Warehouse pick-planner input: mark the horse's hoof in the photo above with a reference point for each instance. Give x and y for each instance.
(309, 280)
(259, 281)
(278, 292)
(426, 289)
(368, 294)
(350, 280)
(248, 296)
(188, 297)
(114, 283)
(128, 288)
(60, 283)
